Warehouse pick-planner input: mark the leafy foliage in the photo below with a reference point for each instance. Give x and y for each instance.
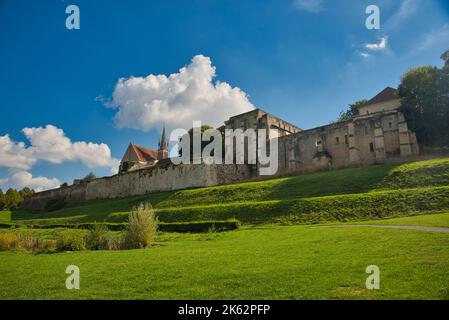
(203, 143)
(71, 240)
(13, 198)
(425, 103)
(89, 177)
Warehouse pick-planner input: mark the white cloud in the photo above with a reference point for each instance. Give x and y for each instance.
(309, 5)
(382, 45)
(50, 144)
(145, 103)
(14, 155)
(25, 179)
(365, 55)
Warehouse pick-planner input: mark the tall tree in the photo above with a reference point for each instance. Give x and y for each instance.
(26, 192)
(423, 104)
(13, 198)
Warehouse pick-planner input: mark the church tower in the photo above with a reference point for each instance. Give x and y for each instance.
(162, 152)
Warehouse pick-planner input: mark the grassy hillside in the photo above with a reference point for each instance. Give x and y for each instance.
(349, 194)
(281, 262)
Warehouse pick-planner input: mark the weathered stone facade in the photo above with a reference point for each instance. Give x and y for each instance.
(369, 139)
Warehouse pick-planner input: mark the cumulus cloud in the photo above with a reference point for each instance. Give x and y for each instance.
(145, 103)
(382, 45)
(22, 179)
(50, 144)
(14, 155)
(309, 5)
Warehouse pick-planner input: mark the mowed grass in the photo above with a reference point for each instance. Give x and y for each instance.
(357, 193)
(434, 220)
(271, 262)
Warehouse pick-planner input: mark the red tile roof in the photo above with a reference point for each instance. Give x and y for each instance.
(386, 94)
(144, 154)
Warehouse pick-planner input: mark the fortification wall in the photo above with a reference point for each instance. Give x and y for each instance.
(155, 179)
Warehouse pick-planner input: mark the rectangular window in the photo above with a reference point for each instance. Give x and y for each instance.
(337, 140)
(371, 147)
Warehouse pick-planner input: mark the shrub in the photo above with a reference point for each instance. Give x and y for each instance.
(97, 239)
(38, 245)
(113, 243)
(71, 240)
(9, 241)
(142, 227)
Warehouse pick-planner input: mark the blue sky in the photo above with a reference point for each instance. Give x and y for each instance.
(303, 60)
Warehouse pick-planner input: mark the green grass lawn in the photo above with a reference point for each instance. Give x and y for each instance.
(269, 262)
(265, 259)
(433, 220)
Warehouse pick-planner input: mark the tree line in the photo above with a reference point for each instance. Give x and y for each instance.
(12, 198)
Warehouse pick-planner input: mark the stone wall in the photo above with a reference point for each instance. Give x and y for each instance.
(368, 139)
(154, 179)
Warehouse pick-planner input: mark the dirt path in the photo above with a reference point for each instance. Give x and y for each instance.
(419, 228)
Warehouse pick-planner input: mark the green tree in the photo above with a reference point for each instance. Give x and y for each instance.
(424, 93)
(13, 198)
(352, 111)
(89, 177)
(26, 192)
(445, 57)
(203, 143)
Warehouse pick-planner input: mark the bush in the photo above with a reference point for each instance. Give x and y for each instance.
(97, 239)
(71, 240)
(38, 245)
(142, 227)
(13, 241)
(9, 241)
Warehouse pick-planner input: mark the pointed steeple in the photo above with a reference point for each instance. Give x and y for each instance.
(163, 146)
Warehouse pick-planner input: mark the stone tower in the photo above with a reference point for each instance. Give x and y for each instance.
(162, 152)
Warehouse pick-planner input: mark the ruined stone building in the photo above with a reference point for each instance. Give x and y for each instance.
(378, 133)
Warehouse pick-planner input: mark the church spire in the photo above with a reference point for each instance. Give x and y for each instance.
(163, 146)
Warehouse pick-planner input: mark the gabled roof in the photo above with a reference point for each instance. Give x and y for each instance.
(144, 154)
(386, 94)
